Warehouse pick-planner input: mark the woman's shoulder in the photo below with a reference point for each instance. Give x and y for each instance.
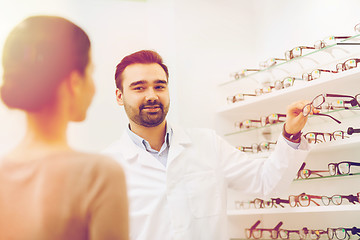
(94, 161)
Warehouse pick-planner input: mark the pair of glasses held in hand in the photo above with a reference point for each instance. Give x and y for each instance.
(319, 103)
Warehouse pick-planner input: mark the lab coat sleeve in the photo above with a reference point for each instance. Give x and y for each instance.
(261, 176)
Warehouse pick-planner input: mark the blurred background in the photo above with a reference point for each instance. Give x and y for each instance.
(201, 41)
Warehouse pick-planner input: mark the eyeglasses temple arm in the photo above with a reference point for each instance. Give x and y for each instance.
(321, 114)
(355, 163)
(305, 47)
(351, 130)
(255, 224)
(337, 95)
(325, 70)
(316, 197)
(353, 199)
(278, 225)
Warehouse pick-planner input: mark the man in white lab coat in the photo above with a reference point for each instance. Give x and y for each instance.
(177, 178)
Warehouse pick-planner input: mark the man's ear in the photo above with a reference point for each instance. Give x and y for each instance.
(119, 97)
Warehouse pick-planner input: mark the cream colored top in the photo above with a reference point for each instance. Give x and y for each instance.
(67, 195)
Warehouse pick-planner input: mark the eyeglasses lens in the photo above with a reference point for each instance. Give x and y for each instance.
(338, 135)
(357, 97)
(248, 233)
(325, 200)
(257, 233)
(337, 200)
(341, 233)
(330, 233)
(239, 97)
(288, 82)
(273, 118)
(318, 101)
(304, 200)
(307, 109)
(258, 203)
(263, 64)
(292, 201)
(306, 77)
(270, 62)
(283, 234)
(319, 44)
(315, 74)
(349, 64)
(231, 99)
(339, 67)
(274, 234)
(264, 146)
(278, 85)
(258, 92)
(296, 52)
(266, 89)
(344, 168)
(357, 28)
(263, 121)
(304, 173)
(246, 124)
(310, 137)
(255, 148)
(332, 169)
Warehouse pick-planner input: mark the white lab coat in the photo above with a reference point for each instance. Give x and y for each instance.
(187, 199)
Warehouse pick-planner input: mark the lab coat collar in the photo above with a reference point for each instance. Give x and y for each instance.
(178, 143)
(130, 151)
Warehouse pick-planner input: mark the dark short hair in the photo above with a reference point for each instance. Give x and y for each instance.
(142, 57)
(38, 54)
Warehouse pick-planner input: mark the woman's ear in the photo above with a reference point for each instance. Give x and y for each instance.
(119, 97)
(74, 82)
(72, 90)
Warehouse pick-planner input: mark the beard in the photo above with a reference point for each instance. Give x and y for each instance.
(144, 118)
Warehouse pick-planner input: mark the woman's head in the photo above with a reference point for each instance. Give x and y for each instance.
(38, 55)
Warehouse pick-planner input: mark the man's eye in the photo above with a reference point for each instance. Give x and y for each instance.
(159, 87)
(139, 88)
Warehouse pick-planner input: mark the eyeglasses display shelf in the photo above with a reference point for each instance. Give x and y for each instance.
(254, 95)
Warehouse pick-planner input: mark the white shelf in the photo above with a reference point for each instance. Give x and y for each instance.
(289, 210)
(351, 142)
(332, 52)
(283, 97)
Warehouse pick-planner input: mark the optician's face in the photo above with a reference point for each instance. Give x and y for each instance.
(145, 94)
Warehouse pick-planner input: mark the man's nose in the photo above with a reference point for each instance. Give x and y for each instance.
(151, 95)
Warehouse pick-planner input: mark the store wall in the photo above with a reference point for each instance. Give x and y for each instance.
(202, 41)
(217, 37)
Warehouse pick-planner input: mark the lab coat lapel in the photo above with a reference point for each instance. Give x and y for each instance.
(178, 143)
(131, 152)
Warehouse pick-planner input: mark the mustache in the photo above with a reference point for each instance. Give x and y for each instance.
(152, 104)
